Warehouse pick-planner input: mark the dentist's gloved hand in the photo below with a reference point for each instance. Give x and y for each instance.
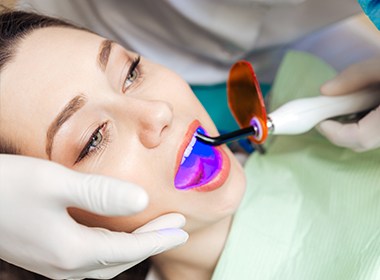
(37, 233)
(365, 134)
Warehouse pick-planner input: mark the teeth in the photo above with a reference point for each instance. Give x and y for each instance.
(189, 149)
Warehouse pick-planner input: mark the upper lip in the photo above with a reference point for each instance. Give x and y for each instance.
(187, 139)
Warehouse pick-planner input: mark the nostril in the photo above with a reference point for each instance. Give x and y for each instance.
(164, 130)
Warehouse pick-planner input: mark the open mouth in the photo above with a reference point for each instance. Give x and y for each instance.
(200, 164)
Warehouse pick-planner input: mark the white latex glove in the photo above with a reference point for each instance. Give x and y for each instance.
(365, 134)
(37, 233)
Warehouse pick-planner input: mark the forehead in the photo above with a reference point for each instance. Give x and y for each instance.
(44, 74)
(47, 49)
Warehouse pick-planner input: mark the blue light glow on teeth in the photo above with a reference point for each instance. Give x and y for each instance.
(189, 149)
(199, 164)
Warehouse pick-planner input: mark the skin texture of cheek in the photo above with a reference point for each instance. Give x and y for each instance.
(119, 224)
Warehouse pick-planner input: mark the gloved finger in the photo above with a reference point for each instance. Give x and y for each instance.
(104, 195)
(118, 247)
(172, 220)
(355, 77)
(343, 135)
(361, 136)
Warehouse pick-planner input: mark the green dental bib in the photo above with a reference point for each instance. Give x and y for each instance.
(311, 209)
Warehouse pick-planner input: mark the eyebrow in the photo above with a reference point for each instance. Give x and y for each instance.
(70, 109)
(104, 53)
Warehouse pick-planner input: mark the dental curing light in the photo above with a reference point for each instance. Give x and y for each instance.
(295, 117)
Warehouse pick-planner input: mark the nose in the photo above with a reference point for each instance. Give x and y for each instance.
(152, 117)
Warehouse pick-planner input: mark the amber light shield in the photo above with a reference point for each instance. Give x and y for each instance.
(245, 99)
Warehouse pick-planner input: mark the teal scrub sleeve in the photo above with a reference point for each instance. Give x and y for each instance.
(372, 9)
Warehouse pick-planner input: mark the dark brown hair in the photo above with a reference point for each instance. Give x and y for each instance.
(15, 26)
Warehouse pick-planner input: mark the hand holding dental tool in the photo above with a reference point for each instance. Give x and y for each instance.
(296, 117)
(38, 234)
(365, 134)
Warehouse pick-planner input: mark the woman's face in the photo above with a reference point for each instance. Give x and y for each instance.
(85, 102)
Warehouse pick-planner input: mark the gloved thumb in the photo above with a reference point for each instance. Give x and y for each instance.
(171, 220)
(104, 195)
(360, 136)
(353, 78)
(159, 235)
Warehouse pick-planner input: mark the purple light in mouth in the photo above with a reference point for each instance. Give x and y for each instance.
(199, 167)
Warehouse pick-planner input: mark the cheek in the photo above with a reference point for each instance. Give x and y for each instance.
(187, 104)
(118, 224)
(177, 91)
(131, 167)
(160, 202)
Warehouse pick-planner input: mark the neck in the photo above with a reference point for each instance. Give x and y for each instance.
(196, 259)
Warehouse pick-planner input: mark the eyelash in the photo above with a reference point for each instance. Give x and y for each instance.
(132, 69)
(105, 137)
(90, 149)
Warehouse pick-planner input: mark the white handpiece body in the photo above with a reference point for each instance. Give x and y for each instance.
(301, 115)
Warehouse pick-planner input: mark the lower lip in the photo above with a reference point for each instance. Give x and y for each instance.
(220, 177)
(216, 180)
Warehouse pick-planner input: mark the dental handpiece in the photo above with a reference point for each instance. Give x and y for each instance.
(301, 115)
